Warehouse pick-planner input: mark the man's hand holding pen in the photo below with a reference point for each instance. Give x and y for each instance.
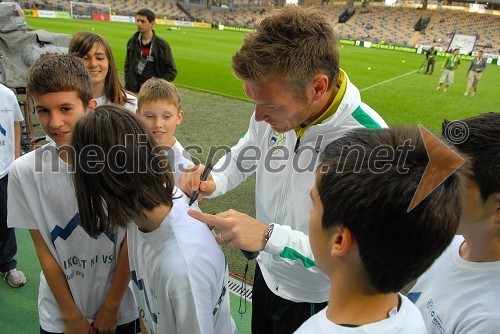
(238, 230)
(190, 181)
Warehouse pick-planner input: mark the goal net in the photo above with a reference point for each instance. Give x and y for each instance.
(91, 11)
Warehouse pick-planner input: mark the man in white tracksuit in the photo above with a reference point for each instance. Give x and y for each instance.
(299, 110)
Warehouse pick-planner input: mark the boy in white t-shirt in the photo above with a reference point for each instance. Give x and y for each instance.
(460, 293)
(178, 270)
(84, 284)
(10, 141)
(363, 237)
(160, 108)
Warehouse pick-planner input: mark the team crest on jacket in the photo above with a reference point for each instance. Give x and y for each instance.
(276, 140)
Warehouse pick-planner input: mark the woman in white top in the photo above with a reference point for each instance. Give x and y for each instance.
(98, 58)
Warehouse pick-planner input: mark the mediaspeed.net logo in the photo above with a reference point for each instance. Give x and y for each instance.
(443, 161)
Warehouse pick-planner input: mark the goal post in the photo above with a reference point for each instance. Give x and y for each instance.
(90, 11)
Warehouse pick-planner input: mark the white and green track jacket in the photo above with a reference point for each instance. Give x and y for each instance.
(285, 176)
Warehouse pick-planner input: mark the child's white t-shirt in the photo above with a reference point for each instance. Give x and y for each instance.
(131, 105)
(406, 321)
(42, 197)
(458, 296)
(9, 113)
(179, 160)
(179, 275)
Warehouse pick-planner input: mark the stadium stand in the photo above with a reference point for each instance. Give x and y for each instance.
(392, 25)
(444, 24)
(375, 22)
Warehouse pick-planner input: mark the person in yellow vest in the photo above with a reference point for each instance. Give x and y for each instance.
(450, 65)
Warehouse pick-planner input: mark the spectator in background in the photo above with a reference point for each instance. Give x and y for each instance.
(147, 54)
(431, 59)
(99, 61)
(449, 67)
(475, 72)
(10, 141)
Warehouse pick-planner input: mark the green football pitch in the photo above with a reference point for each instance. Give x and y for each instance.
(391, 85)
(217, 114)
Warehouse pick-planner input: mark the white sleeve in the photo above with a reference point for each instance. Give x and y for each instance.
(291, 247)
(19, 213)
(131, 105)
(238, 164)
(18, 116)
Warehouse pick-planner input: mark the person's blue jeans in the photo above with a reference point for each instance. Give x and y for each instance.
(8, 244)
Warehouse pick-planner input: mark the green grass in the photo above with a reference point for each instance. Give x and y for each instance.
(203, 58)
(217, 113)
(20, 306)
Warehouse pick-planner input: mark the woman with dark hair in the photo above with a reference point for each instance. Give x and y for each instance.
(98, 58)
(179, 272)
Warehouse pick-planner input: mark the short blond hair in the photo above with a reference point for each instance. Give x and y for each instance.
(155, 89)
(294, 44)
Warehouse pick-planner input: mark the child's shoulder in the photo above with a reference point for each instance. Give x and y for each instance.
(6, 90)
(192, 234)
(42, 159)
(179, 213)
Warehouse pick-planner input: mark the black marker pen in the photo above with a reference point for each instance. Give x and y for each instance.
(204, 176)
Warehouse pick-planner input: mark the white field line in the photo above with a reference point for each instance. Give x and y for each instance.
(392, 79)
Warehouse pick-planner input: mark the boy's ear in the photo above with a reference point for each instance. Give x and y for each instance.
(138, 112)
(342, 241)
(92, 104)
(180, 117)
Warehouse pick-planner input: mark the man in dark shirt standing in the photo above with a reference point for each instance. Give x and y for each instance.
(431, 59)
(147, 54)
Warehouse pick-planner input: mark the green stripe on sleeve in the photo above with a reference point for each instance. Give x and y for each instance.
(364, 119)
(292, 254)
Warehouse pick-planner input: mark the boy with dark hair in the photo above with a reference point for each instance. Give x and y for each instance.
(84, 284)
(179, 272)
(460, 292)
(366, 241)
